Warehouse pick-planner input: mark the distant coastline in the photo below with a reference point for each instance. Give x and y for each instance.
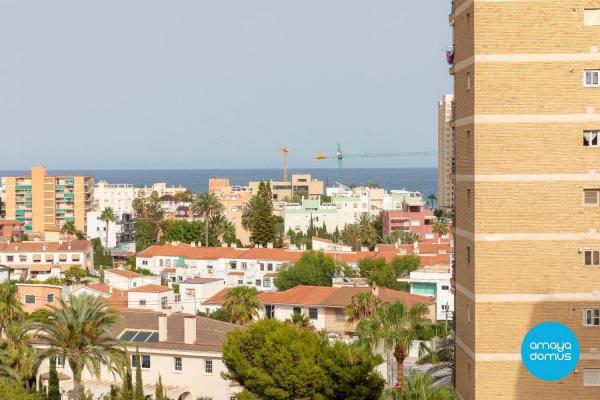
(423, 180)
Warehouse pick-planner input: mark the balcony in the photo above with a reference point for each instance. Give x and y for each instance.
(23, 187)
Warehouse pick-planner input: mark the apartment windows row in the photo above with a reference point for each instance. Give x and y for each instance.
(591, 78)
(38, 258)
(177, 363)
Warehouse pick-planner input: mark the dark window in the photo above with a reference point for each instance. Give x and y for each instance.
(313, 313)
(297, 310)
(270, 311)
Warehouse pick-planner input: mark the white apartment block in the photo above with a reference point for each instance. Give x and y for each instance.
(183, 350)
(298, 217)
(120, 231)
(445, 189)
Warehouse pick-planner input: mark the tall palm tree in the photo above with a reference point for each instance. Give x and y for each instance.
(107, 216)
(241, 304)
(222, 229)
(368, 233)
(395, 326)
(207, 205)
(441, 228)
(362, 306)
(248, 212)
(351, 236)
(431, 199)
(10, 306)
(80, 331)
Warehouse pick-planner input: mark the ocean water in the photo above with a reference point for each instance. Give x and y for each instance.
(423, 180)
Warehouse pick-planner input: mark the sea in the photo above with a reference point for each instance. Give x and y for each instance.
(423, 180)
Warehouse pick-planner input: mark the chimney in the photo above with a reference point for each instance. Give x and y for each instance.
(60, 242)
(189, 329)
(269, 245)
(162, 328)
(193, 244)
(223, 244)
(16, 247)
(44, 247)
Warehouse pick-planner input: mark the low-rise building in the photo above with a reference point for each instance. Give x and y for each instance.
(435, 281)
(125, 280)
(320, 244)
(412, 218)
(302, 184)
(4, 273)
(153, 297)
(183, 350)
(299, 217)
(195, 291)
(43, 260)
(11, 230)
(36, 296)
(119, 231)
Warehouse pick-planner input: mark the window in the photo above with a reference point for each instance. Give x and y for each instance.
(208, 366)
(297, 310)
(590, 138)
(339, 316)
(10, 258)
(468, 81)
(50, 298)
(445, 287)
(177, 298)
(445, 307)
(270, 311)
(591, 377)
(262, 266)
(134, 283)
(591, 196)
(591, 17)
(233, 264)
(145, 359)
(240, 281)
(591, 317)
(142, 302)
(23, 258)
(267, 282)
(75, 257)
(258, 282)
(144, 262)
(60, 361)
(313, 313)
(244, 266)
(591, 78)
(178, 363)
(468, 197)
(468, 255)
(29, 299)
(163, 302)
(269, 267)
(591, 258)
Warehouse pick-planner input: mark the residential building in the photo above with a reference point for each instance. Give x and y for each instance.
(119, 231)
(11, 230)
(43, 202)
(4, 273)
(125, 280)
(445, 183)
(195, 291)
(36, 296)
(302, 184)
(183, 350)
(153, 297)
(43, 260)
(414, 219)
(299, 217)
(320, 244)
(434, 281)
(527, 190)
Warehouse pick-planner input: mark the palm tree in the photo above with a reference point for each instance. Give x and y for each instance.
(300, 321)
(107, 216)
(431, 199)
(395, 326)
(368, 233)
(223, 230)
(80, 331)
(420, 386)
(441, 359)
(241, 304)
(248, 212)
(10, 306)
(207, 205)
(362, 306)
(441, 228)
(351, 236)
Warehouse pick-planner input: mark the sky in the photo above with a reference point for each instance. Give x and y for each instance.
(132, 84)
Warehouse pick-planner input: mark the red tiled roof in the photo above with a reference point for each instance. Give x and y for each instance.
(201, 281)
(124, 272)
(10, 222)
(167, 270)
(100, 287)
(434, 259)
(187, 251)
(218, 298)
(336, 296)
(27, 247)
(235, 273)
(150, 289)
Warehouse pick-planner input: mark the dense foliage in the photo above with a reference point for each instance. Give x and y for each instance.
(383, 274)
(263, 229)
(273, 360)
(313, 268)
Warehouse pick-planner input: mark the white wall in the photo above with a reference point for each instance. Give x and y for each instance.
(193, 295)
(153, 301)
(124, 283)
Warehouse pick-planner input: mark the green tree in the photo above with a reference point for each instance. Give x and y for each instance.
(404, 237)
(138, 391)
(182, 231)
(160, 391)
(127, 388)
(148, 206)
(80, 331)
(380, 273)
(207, 205)
(395, 326)
(16, 391)
(351, 236)
(431, 200)
(222, 230)
(10, 306)
(441, 228)
(300, 321)
(101, 256)
(313, 268)
(262, 223)
(419, 386)
(362, 306)
(69, 228)
(440, 358)
(185, 197)
(241, 304)
(248, 212)
(368, 234)
(107, 216)
(273, 360)
(74, 274)
(146, 234)
(53, 385)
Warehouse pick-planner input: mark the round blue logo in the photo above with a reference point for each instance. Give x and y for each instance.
(550, 351)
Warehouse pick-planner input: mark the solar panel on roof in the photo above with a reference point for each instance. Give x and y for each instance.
(142, 336)
(128, 335)
(153, 338)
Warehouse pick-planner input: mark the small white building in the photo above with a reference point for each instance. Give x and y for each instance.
(120, 231)
(124, 279)
(153, 297)
(434, 281)
(194, 291)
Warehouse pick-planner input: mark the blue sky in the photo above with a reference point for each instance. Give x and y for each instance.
(218, 84)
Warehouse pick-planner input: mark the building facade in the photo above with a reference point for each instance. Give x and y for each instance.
(445, 183)
(302, 184)
(527, 93)
(44, 202)
(299, 217)
(119, 231)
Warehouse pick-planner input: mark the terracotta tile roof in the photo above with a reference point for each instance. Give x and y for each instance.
(27, 247)
(434, 247)
(434, 259)
(201, 281)
(119, 299)
(123, 272)
(210, 333)
(187, 251)
(10, 222)
(318, 239)
(167, 270)
(235, 273)
(99, 287)
(218, 298)
(150, 289)
(336, 296)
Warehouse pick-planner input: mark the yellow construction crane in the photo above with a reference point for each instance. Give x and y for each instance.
(285, 150)
(340, 156)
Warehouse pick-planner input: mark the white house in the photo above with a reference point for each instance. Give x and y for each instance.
(4, 273)
(434, 281)
(184, 350)
(120, 231)
(93, 289)
(124, 279)
(194, 291)
(153, 297)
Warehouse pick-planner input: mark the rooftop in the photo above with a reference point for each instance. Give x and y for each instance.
(42, 247)
(150, 289)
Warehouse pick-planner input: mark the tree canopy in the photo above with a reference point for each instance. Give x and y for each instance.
(273, 360)
(383, 274)
(263, 228)
(313, 268)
